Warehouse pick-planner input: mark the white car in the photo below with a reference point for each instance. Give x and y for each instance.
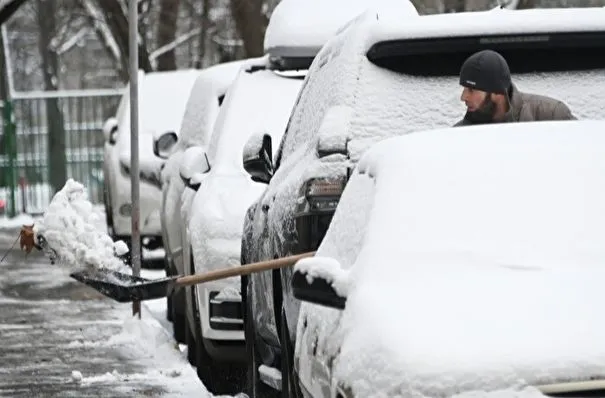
(462, 261)
(162, 98)
(258, 102)
(196, 126)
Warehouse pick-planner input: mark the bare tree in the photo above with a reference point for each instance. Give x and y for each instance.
(115, 16)
(251, 23)
(166, 33)
(57, 162)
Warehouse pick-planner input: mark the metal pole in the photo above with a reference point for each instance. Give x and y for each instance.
(133, 50)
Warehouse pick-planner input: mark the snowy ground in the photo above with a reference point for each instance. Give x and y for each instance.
(59, 337)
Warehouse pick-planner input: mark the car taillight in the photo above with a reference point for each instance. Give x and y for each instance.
(323, 194)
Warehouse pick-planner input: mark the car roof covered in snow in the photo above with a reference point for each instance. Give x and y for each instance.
(202, 105)
(300, 28)
(491, 23)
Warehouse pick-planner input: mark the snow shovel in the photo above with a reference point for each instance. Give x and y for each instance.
(127, 288)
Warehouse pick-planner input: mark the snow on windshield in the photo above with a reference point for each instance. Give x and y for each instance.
(393, 104)
(203, 103)
(259, 102)
(386, 103)
(159, 112)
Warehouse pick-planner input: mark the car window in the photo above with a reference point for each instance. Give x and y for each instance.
(280, 150)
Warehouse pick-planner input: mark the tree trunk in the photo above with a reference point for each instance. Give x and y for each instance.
(57, 161)
(118, 24)
(166, 34)
(250, 23)
(203, 37)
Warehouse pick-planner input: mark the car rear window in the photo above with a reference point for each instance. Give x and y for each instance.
(524, 53)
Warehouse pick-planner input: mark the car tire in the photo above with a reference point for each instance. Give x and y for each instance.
(255, 388)
(179, 321)
(219, 377)
(290, 387)
(190, 342)
(169, 308)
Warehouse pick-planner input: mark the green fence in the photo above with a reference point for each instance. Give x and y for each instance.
(54, 136)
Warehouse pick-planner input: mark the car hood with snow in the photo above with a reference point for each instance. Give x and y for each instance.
(470, 258)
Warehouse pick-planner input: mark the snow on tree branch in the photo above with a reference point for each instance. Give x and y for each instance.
(98, 21)
(174, 44)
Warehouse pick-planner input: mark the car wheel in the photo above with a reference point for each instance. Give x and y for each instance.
(190, 341)
(290, 388)
(219, 377)
(179, 325)
(169, 308)
(169, 296)
(255, 388)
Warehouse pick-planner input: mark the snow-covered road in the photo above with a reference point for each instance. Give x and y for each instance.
(61, 338)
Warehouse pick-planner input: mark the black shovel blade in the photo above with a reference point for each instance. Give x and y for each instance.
(125, 288)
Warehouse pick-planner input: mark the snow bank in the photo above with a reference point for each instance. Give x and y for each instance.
(73, 230)
(146, 340)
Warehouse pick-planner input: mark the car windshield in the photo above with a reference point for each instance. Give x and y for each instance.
(262, 101)
(413, 85)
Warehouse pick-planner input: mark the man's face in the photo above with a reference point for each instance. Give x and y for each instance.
(480, 106)
(473, 99)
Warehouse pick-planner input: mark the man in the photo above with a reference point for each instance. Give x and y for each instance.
(491, 97)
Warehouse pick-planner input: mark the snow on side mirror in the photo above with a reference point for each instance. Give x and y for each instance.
(195, 162)
(258, 158)
(110, 130)
(321, 280)
(164, 144)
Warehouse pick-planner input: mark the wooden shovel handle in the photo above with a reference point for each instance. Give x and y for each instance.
(242, 270)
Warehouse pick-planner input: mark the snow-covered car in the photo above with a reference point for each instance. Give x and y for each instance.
(196, 126)
(460, 260)
(382, 76)
(162, 97)
(258, 102)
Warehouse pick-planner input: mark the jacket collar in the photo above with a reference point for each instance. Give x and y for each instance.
(515, 105)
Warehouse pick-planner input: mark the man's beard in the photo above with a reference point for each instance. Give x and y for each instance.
(485, 113)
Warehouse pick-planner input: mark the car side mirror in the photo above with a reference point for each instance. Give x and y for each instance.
(110, 130)
(164, 144)
(317, 283)
(258, 158)
(195, 162)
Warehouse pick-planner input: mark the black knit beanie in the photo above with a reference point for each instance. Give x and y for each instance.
(486, 71)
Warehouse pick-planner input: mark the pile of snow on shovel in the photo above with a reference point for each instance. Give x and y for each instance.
(74, 235)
